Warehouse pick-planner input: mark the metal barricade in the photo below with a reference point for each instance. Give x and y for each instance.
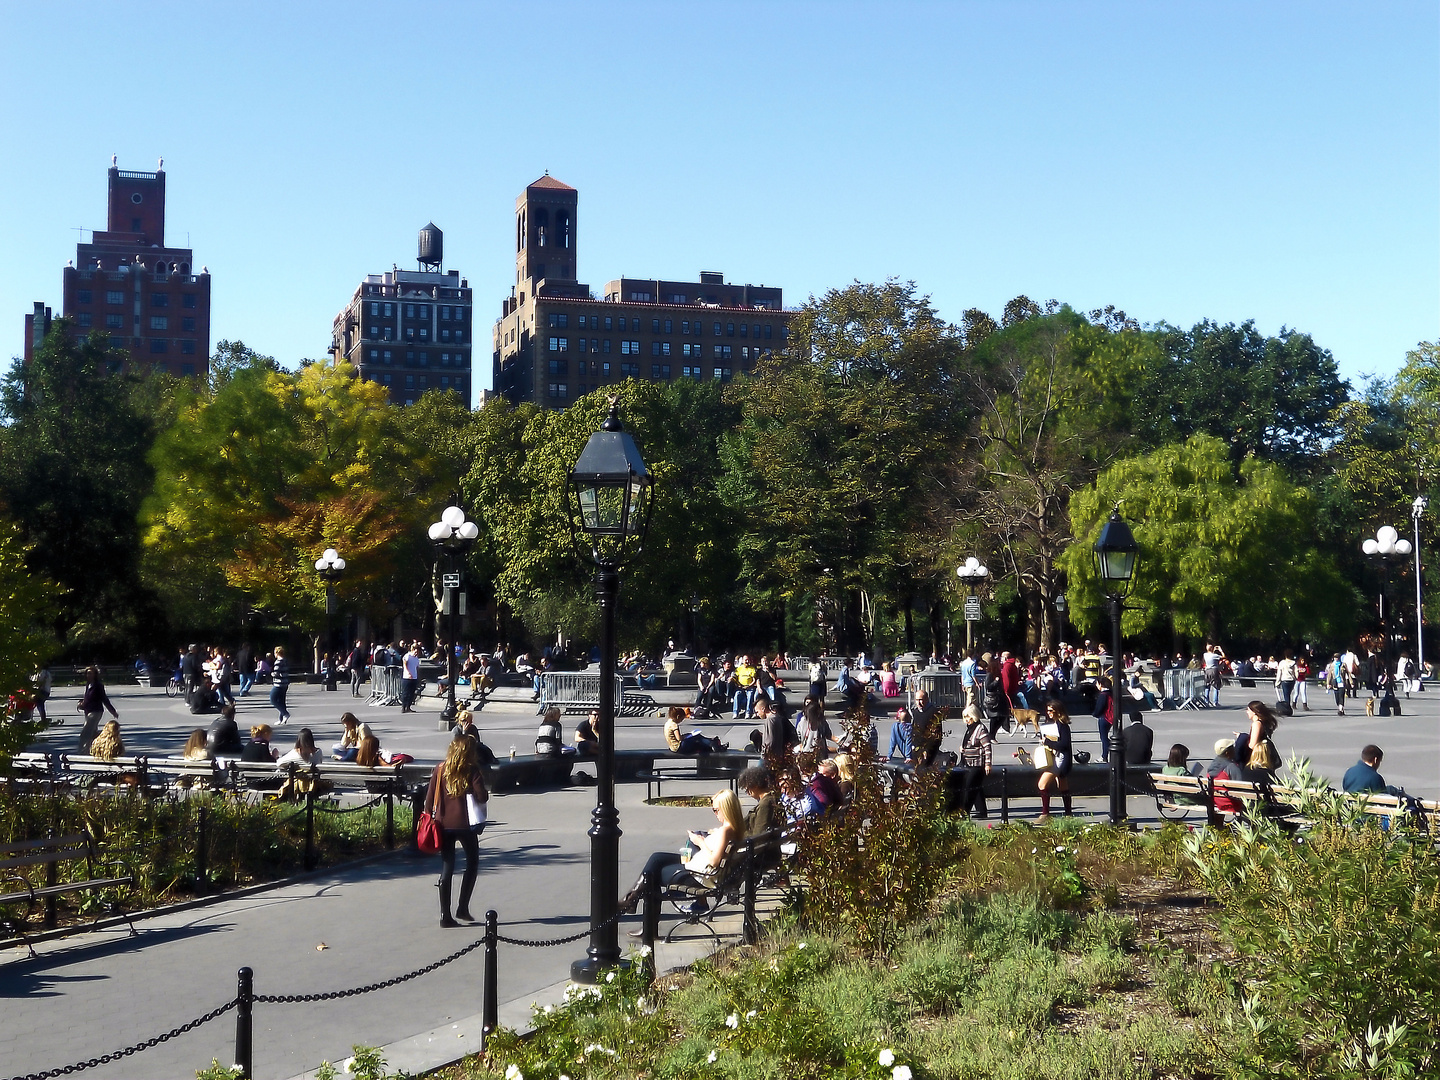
(385, 685)
(1186, 688)
(577, 691)
(946, 688)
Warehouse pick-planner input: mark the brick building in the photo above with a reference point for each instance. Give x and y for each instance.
(409, 330)
(127, 284)
(555, 342)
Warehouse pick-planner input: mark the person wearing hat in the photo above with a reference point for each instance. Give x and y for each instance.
(975, 755)
(1223, 767)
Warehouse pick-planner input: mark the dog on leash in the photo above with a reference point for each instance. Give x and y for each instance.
(1370, 706)
(1020, 717)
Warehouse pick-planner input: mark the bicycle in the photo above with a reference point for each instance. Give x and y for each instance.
(174, 687)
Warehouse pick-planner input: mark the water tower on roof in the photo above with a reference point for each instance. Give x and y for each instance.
(432, 248)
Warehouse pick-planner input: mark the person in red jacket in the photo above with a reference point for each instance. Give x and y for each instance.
(456, 799)
(1010, 682)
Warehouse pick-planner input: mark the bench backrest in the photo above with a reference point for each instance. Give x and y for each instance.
(51, 849)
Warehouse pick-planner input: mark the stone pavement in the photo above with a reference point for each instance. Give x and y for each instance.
(96, 992)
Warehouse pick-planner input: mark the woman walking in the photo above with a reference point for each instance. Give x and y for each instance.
(456, 799)
(1058, 741)
(280, 675)
(93, 703)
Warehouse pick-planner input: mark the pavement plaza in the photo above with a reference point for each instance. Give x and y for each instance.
(95, 992)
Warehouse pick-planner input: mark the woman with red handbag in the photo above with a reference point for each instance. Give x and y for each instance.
(455, 801)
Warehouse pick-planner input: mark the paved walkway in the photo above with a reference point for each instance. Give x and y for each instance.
(94, 993)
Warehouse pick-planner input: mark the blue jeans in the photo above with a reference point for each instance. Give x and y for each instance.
(277, 701)
(744, 701)
(246, 681)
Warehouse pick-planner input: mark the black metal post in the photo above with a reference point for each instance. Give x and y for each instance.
(604, 950)
(390, 820)
(749, 928)
(1004, 795)
(1117, 733)
(490, 1007)
(452, 669)
(201, 870)
(310, 829)
(52, 878)
(245, 1004)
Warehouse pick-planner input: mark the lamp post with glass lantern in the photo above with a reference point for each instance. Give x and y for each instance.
(972, 572)
(1061, 605)
(609, 495)
(330, 566)
(1387, 544)
(1115, 553)
(452, 536)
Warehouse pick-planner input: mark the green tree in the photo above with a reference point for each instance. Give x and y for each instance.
(73, 474)
(1055, 396)
(845, 438)
(26, 606)
(1220, 557)
(1273, 397)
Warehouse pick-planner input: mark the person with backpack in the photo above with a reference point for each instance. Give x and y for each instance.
(1336, 674)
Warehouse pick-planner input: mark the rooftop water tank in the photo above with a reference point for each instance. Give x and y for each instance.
(432, 246)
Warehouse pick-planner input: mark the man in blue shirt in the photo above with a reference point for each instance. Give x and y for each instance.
(1364, 776)
(900, 731)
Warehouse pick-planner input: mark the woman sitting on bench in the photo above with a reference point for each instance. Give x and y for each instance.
(667, 869)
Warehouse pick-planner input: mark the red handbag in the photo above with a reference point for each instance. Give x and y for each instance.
(427, 834)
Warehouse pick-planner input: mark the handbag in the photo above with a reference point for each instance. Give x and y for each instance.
(1043, 757)
(476, 811)
(427, 834)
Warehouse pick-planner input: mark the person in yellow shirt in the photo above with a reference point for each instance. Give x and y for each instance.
(746, 685)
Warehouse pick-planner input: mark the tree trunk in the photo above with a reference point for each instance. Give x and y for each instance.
(909, 624)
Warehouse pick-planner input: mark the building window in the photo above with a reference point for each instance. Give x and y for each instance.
(409, 354)
(115, 322)
(742, 329)
(559, 344)
(374, 354)
(691, 372)
(389, 333)
(654, 326)
(389, 310)
(641, 297)
(669, 327)
(409, 333)
(374, 332)
(729, 329)
(559, 319)
(582, 322)
(717, 329)
(187, 347)
(687, 349)
(82, 319)
(580, 344)
(605, 368)
(159, 299)
(114, 297)
(159, 322)
(722, 373)
(374, 309)
(608, 320)
(159, 345)
(459, 334)
(631, 347)
(409, 382)
(559, 367)
(654, 348)
(385, 378)
(187, 322)
(767, 331)
(445, 359)
(628, 371)
(386, 356)
(117, 343)
(159, 367)
(188, 300)
(685, 327)
(660, 371)
(606, 347)
(82, 296)
(424, 381)
(423, 358)
(676, 298)
(558, 390)
(727, 352)
(444, 382)
(664, 348)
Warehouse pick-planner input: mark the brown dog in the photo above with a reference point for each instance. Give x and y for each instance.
(1020, 717)
(1370, 706)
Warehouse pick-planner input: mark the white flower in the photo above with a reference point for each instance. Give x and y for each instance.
(610, 976)
(750, 1015)
(887, 1058)
(732, 1021)
(1059, 850)
(802, 945)
(349, 1066)
(644, 950)
(512, 1072)
(712, 1057)
(603, 1049)
(900, 1072)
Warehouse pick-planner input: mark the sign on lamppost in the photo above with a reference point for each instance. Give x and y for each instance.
(450, 581)
(972, 609)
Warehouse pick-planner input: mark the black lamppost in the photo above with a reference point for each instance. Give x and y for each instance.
(610, 495)
(1115, 552)
(330, 566)
(452, 536)
(1061, 605)
(973, 573)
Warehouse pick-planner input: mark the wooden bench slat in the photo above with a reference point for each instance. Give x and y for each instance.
(44, 857)
(29, 845)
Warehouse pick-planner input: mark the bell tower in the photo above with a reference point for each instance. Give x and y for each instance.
(545, 232)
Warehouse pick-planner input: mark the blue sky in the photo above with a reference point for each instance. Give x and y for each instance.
(1272, 161)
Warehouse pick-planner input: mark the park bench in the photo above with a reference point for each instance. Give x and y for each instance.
(1176, 796)
(734, 884)
(671, 766)
(20, 860)
(187, 773)
(32, 770)
(82, 770)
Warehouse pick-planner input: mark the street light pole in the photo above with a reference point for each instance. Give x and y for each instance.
(609, 495)
(330, 566)
(452, 536)
(1417, 511)
(1115, 553)
(1386, 544)
(972, 573)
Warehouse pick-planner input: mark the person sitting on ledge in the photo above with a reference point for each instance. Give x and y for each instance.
(108, 745)
(587, 735)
